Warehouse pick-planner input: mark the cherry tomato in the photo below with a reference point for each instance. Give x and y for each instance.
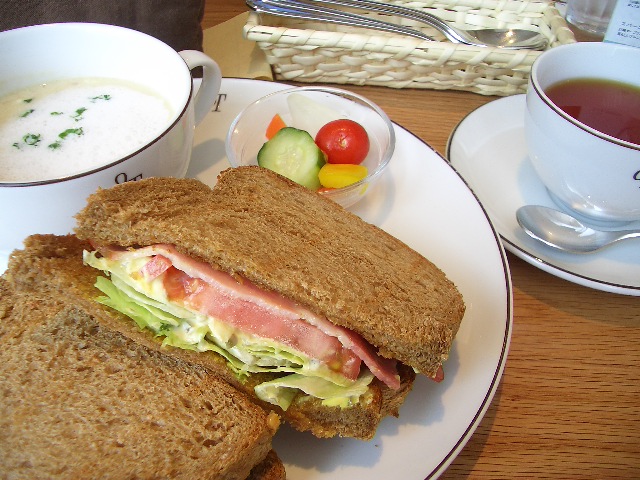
(343, 141)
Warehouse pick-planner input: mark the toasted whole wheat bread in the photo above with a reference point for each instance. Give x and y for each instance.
(53, 265)
(271, 468)
(83, 401)
(286, 238)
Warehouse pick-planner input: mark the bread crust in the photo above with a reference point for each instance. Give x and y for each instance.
(283, 237)
(53, 265)
(271, 468)
(84, 401)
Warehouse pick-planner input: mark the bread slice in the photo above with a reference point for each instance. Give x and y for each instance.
(53, 266)
(286, 238)
(83, 401)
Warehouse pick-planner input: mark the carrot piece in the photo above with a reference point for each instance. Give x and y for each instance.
(275, 126)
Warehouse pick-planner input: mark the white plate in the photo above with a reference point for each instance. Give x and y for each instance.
(488, 149)
(424, 202)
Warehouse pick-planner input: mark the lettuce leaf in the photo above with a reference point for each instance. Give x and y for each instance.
(282, 391)
(162, 323)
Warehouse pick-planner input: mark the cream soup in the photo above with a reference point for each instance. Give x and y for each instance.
(67, 127)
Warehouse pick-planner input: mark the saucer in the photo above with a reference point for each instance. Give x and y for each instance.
(488, 149)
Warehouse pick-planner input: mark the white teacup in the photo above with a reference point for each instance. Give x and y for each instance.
(592, 174)
(48, 53)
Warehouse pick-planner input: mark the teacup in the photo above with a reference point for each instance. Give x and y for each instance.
(592, 174)
(55, 53)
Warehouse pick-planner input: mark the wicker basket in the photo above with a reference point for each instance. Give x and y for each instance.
(317, 52)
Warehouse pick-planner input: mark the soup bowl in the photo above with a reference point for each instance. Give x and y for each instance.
(591, 174)
(35, 202)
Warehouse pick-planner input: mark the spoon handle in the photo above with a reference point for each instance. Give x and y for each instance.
(313, 10)
(624, 234)
(565, 232)
(410, 13)
(306, 11)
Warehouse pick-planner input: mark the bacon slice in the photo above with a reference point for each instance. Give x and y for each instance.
(263, 313)
(385, 369)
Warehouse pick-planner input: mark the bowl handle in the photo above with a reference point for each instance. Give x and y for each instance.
(211, 78)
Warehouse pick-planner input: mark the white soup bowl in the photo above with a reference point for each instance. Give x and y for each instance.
(46, 53)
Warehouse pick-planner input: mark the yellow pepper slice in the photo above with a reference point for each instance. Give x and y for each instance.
(336, 175)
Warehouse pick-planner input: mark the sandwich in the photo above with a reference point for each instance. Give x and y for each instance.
(317, 315)
(82, 401)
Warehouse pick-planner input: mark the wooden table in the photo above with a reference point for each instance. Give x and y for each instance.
(569, 402)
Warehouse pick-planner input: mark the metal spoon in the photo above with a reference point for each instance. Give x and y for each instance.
(565, 232)
(309, 10)
(498, 37)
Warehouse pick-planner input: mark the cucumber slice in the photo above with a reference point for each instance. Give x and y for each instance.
(293, 154)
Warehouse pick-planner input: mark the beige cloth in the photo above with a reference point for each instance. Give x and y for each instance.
(236, 56)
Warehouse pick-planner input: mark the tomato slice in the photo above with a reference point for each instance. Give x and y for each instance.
(343, 141)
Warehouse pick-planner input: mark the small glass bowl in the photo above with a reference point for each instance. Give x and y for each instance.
(246, 134)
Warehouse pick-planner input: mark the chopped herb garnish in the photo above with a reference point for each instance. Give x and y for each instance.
(71, 131)
(56, 113)
(31, 139)
(16, 145)
(28, 100)
(101, 97)
(164, 327)
(55, 145)
(27, 113)
(78, 115)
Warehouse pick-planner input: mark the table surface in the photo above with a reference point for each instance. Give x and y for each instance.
(568, 405)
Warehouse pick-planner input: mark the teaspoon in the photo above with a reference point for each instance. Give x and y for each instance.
(565, 232)
(485, 37)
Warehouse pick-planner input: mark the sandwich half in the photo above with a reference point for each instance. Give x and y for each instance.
(282, 293)
(83, 401)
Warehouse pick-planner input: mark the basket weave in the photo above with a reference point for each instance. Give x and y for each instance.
(304, 51)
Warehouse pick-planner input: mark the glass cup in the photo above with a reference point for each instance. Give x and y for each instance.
(591, 16)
